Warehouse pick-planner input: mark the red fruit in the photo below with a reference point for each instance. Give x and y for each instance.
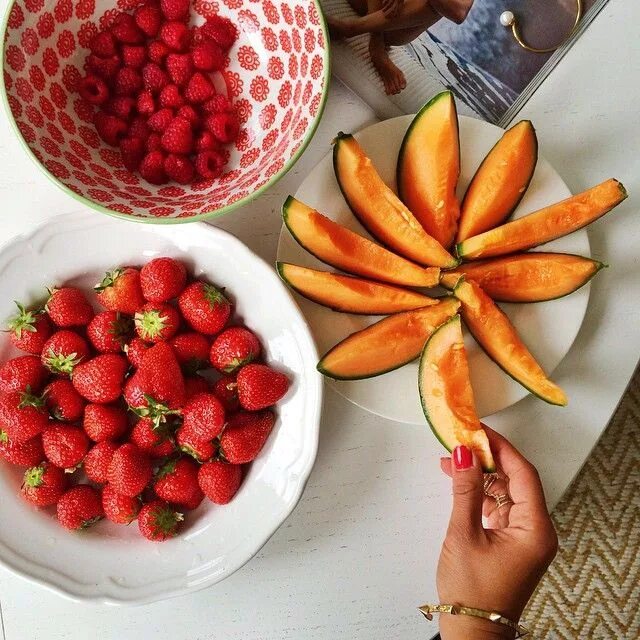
(43, 485)
(259, 386)
(245, 435)
(94, 89)
(226, 390)
(104, 422)
(204, 307)
(109, 331)
(192, 350)
(221, 30)
(203, 416)
(160, 120)
(197, 449)
(110, 128)
(179, 67)
(80, 507)
(121, 106)
(187, 112)
(63, 402)
(175, 9)
(119, 508)
(135, 350)
(65, 445)
(220, 481)
(100, 380)
(132, 151)
(199, 89)
(208, 56)
(162, 279)
(134, 55)
(148, 18)
(106, 68)
(29, 330)
(157, 50)
(152, 167)
(24, 373)
(170, 97)
(27, 454)
(139, 128)
(218, 104)
(130, 470)
(22, 416)
(146, 104)
(206, 141)
(153, 77)
(126, 30)
(128, 82)
(98, 459)
(157, 322)
(193, 385)
(177, 483)
(120, 290)
(158, 521)
(68, 307)
(179, 169)
(224, 126)
(156, 442)
(63, 351)
(103, 44)
(210, 164)
(233, 348)
(175, 35)
(178, 137)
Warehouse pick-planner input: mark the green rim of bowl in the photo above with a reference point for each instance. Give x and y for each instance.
(201, 216)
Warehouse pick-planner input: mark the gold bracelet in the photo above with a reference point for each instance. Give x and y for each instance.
(428, 610)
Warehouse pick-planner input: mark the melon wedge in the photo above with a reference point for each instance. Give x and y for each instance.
(380, 210)
(387, 344)
(349, 294)
(498, 337)
(342, 248)
(545, 224)
(500, 181)
(527, 277)
(447, 396)
(429, 167)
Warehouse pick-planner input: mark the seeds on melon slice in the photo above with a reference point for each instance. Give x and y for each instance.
(500, 181)
(387, 344)
(527, 277)
(342, 248)
(379, 209)
(494, 332)
(349, 294)
(546, 224)
(447, 396)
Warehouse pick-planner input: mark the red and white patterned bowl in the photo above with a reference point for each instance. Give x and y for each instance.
(278, 77)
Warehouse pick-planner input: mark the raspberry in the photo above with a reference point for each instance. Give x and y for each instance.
(178, 137)
(179, 68)
(160, 120)
(121, 106)
(103, 44)
(206, 141)
(224, 126)
(134, 55)
(152, 168)
(104, 67)
(175, 9)
(199, 88)
(154, 142)
(93, 89)
(170, 97)
(157, 51)
(209, 164)
(179, 168)
(154, 78)
(139, 128)
(175, 35)
(132, 151)
(208, 56)
(110, 128)
(217, 104)
(189, 113)
(220, 30)
(128, 81)
(145, 104)
(126, 30)
(148, 18)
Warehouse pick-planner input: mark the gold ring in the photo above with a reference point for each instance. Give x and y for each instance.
(489, 479)
(502, 500)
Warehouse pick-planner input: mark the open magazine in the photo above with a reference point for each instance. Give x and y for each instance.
(479, 59)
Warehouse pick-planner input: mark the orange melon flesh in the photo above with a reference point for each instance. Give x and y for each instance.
(429, 167)
(500, 182)
(342, 248)
(446, 394)
(380, 210)
(349, 294)
(545, 224)
(500, 340)
(387, 344)
(527, 277)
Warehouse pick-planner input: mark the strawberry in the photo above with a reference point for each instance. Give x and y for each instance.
(106, 67)
(119, 508)
(208, 56)
(210, 164)
(203, 416)
(126, 30)
(170, 97)
(63, 402)
(80, 507)
(110, 128)
(225, 126)
(179, 169)
(221, 30)
(27, 454)
(109, 331)
(68, 307)
(146, 104)
(65, 445)
(121, 106)
(156, 442)
(148, 18)
(154, 78)
(135, 350)
(152, 167)
(103, 44)
(101, 379)
(22, 415)
(158, 521)
(220, 481)
(130, 470)
(98, 459)
(128, 82)
(93, 89)
(104, 422)
(179, 67)
(63, 351)
(160, 120)
(259, 386)
(157, 322)
(226, 390)
(120, 290)
(175, 9)
(177, 483)
(178, 137)
(157, 50)
(24, 373)
(193, 385)
(233, 348)
(192, 350)
(175, 35)
(134, 55)
(199, 89)
(29, 330)
(204, 307)
(197, 449)
(132, 151)
(206, 141)
(43, 485)
(245, 435)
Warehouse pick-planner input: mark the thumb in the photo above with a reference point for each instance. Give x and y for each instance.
(468, 495)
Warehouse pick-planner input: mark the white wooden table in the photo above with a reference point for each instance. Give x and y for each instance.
(359, 552)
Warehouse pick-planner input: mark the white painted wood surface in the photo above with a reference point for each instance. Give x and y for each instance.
(359, 552)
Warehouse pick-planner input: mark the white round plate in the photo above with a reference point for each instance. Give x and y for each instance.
(547, 328)
(114, 564)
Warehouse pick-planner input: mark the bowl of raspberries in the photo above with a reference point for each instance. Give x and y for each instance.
(165, 110)
(147, 395)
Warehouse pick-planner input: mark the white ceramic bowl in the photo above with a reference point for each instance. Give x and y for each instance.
(114, 564)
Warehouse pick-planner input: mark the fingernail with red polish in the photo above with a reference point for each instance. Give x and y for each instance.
(462, 458)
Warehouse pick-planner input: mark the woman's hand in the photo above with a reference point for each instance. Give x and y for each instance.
(391, 7)
(497, 568)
